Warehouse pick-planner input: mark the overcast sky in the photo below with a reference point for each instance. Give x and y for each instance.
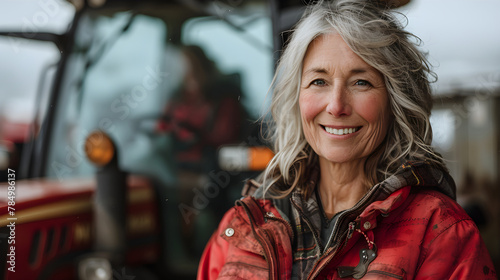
(462, 38)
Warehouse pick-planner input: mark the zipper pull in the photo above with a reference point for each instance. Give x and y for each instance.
(366, 256)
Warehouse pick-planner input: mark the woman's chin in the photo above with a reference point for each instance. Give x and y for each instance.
(338, 158)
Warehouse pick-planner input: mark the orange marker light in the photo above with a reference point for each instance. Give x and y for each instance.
(244, 158)
(99, 148)
(259, 157)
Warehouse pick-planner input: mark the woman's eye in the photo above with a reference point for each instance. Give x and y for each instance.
(362, 83)
(318, 82)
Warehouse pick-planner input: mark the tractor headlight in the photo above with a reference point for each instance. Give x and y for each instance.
(95, 269)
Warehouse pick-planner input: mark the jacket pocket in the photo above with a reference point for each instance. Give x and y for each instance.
(243, 270)
(385, 271)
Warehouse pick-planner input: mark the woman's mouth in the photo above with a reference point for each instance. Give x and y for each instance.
(341, 131)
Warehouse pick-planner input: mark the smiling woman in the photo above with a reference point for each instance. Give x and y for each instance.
(354, 189)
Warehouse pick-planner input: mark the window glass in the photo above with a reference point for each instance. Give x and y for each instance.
(246, 51)
(26, 72)
(104, 91)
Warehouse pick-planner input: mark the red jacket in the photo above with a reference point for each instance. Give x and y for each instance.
(416, 232)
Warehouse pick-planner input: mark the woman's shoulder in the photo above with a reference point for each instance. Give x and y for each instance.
(435, 202)
(450, 237)
(437, 210)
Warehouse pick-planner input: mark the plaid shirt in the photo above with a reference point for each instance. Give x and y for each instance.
(305, 216)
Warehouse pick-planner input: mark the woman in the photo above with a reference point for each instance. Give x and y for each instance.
(354, 190)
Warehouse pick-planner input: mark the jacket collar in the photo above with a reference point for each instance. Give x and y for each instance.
(416, 174)
(423, 175)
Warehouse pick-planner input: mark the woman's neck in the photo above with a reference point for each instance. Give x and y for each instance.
(341, 185)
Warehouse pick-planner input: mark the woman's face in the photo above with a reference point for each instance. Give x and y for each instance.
(343, 102)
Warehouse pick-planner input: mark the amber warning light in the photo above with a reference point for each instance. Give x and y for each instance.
(243, 158)
(99, 148)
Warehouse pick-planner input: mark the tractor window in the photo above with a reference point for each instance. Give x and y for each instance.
(25, 75)
(117, 79)
(167, 106)
(242, 47)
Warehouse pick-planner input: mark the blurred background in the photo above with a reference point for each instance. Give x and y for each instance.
(123, 70)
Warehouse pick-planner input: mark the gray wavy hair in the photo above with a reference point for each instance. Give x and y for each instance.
(375, 34)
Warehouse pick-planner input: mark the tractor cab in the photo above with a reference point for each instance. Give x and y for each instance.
(148, 129)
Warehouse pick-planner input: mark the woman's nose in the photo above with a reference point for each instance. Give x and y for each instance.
(338, 102)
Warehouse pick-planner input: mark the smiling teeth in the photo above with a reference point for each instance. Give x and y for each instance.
(342, 131)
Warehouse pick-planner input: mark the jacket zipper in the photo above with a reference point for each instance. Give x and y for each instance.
(360, 205)
(271, 216)
(268, 254)
(330, 256)
(341, 219)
